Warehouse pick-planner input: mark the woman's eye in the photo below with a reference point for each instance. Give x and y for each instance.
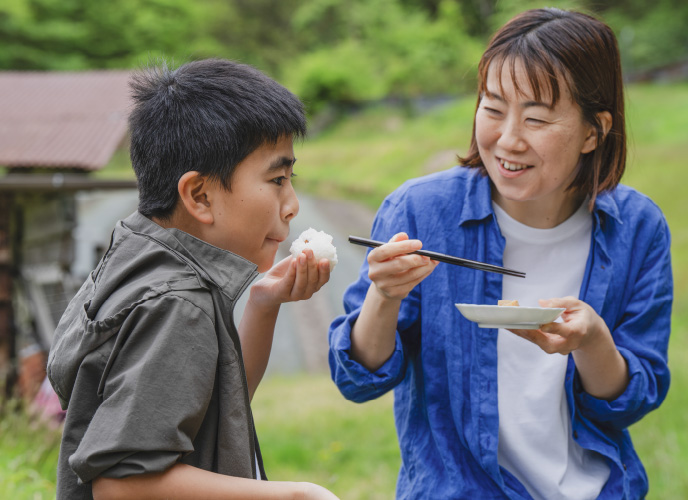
(535, 121)
(492, 111)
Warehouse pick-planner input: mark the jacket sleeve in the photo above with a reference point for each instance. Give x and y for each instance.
(353, 380)
(156, 388)
(642, 337)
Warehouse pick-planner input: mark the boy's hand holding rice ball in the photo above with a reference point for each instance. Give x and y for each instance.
(319, 242)
(289, 280)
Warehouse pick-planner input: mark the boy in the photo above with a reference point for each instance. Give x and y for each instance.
(157, 377)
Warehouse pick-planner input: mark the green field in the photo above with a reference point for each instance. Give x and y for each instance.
(308, 431)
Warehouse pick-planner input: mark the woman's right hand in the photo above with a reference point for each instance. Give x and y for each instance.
(394, 270)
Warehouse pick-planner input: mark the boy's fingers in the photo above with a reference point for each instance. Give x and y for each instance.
(301, 278)
(312, 270)
(286, 283)
(310, 275)
(323, 272)
(291, 272)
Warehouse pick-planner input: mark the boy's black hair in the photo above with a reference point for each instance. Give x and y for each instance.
(204, 116)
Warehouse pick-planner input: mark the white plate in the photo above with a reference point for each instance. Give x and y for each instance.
(512, 317)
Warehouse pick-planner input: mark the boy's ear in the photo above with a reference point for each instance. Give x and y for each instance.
(193, 191)
(605, 120)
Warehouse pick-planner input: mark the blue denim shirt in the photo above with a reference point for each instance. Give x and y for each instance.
(444, 368)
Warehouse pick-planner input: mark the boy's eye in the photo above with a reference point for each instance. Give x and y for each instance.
(282, 178)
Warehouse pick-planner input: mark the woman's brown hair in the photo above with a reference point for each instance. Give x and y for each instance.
(556, 45)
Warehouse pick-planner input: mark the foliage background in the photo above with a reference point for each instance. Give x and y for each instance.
(337, 53)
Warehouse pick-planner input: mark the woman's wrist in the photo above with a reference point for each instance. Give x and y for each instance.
(373, 336)
(602, 368)
(598, 340)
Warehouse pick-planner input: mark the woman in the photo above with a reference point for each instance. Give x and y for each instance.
(494, 413)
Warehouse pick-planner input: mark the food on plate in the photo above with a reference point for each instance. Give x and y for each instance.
(507, 303)
(319, 242)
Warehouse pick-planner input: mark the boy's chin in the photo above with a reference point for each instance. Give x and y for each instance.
(263, 268)
(264, 265)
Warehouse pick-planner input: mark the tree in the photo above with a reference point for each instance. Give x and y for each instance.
(79, 34)
(650, 35)
(377, 48)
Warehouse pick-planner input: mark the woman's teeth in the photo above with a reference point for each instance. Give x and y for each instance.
(512, 166)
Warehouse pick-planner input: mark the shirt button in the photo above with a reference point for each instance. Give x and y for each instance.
(624, 465)
(575, 434)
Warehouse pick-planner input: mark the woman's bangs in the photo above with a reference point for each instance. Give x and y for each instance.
(541, 76)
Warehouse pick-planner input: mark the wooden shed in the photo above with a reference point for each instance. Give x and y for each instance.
(56, 129)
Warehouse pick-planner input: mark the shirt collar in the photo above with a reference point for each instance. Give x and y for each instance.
(477, 204)
(605, 203)
(227, 270)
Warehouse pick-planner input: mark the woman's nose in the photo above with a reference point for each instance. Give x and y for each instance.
(511, 136)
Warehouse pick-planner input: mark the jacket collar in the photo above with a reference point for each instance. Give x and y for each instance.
(229, 271)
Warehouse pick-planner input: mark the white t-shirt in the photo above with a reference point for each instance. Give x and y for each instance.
(535, 441)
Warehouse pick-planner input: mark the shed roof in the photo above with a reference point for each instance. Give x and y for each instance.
(62, 119)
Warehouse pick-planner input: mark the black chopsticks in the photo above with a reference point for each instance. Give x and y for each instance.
(481, 266)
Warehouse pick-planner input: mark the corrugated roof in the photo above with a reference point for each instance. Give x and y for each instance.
(62, 119)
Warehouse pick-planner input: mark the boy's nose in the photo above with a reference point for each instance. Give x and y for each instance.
(290, 207)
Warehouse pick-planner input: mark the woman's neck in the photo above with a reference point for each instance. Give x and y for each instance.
(541, 214)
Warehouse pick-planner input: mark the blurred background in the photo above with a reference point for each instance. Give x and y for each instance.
(389, 89)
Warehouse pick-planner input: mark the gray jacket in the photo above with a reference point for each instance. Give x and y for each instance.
(147, 362)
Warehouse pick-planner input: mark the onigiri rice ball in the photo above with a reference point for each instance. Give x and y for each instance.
(319, 242)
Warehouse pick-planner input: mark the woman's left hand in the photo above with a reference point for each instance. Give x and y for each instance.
(583, 333)
(580, 329)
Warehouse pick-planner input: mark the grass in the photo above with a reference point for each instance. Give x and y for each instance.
(657, 152)
(28, 455)
(658, 133)
(367, 156)
(308, 431)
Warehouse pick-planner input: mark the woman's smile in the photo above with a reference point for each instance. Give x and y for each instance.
(513, 166)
